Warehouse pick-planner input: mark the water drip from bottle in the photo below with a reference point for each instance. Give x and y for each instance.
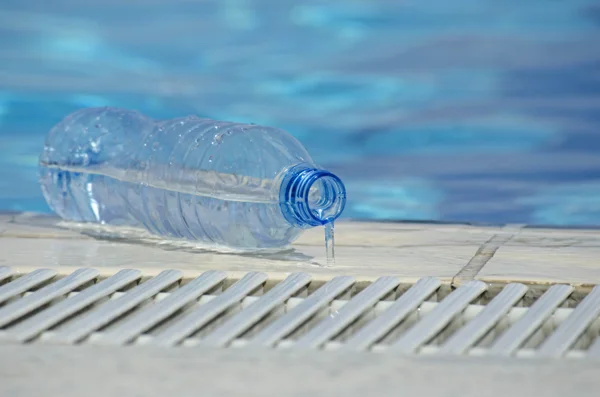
(330, 244)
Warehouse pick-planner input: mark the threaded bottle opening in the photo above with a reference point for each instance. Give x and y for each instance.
(311, 197)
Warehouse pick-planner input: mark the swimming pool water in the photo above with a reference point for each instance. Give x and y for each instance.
(476, 111)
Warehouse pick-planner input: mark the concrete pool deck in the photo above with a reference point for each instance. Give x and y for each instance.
(455, 254)
(366, 250)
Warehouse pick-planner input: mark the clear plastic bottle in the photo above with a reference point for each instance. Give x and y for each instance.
(237, 185)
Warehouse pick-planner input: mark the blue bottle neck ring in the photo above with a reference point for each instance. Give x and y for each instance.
(310, 197)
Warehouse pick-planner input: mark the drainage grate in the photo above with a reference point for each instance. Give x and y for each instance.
(297, 313)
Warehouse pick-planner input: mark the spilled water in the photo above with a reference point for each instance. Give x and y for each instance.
(138, 236)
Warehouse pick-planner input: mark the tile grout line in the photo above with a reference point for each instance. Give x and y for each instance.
(485, 253)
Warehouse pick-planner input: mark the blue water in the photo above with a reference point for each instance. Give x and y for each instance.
(470, 110)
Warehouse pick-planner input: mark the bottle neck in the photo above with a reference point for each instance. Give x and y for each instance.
(311, 197)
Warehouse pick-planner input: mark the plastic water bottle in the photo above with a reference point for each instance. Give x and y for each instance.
(227, 184)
